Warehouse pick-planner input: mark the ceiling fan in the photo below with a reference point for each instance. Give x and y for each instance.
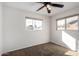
(48, 4)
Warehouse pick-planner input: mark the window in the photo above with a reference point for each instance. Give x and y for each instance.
(61, 24)
(33, 24)
(70, 23)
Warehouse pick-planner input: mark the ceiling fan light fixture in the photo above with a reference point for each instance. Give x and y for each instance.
(49, 7)
(48, 10)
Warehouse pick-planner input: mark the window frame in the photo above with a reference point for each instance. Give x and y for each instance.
(32, 22)
(66, 22)
(57, 25)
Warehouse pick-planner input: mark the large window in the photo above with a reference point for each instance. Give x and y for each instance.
(33, 24)
(70, 23)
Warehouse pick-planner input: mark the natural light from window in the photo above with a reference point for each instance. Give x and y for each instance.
(61, 24)
(69, 40)
(32, 24)
(70, 23)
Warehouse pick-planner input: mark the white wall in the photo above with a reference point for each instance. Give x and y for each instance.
(15, 35)
(1, 28)
(69, 36)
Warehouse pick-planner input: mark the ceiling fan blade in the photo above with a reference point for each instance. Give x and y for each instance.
(41, 7)
(49, 11)
(41, 2)
(56, 5)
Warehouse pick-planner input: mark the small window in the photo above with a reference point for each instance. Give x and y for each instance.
(61, 24)
(70, 23)
(33, 24)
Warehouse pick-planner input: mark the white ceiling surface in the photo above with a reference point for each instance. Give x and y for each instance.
(33, 6)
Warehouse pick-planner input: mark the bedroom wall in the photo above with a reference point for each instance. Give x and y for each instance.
(68, 39)
(15, 34)
(1, 27)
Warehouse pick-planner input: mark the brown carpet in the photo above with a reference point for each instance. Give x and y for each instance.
(47, 49)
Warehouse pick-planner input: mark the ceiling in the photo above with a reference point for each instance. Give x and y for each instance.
(33, 6)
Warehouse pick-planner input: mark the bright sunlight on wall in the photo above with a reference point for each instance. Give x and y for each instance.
(69, 40)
